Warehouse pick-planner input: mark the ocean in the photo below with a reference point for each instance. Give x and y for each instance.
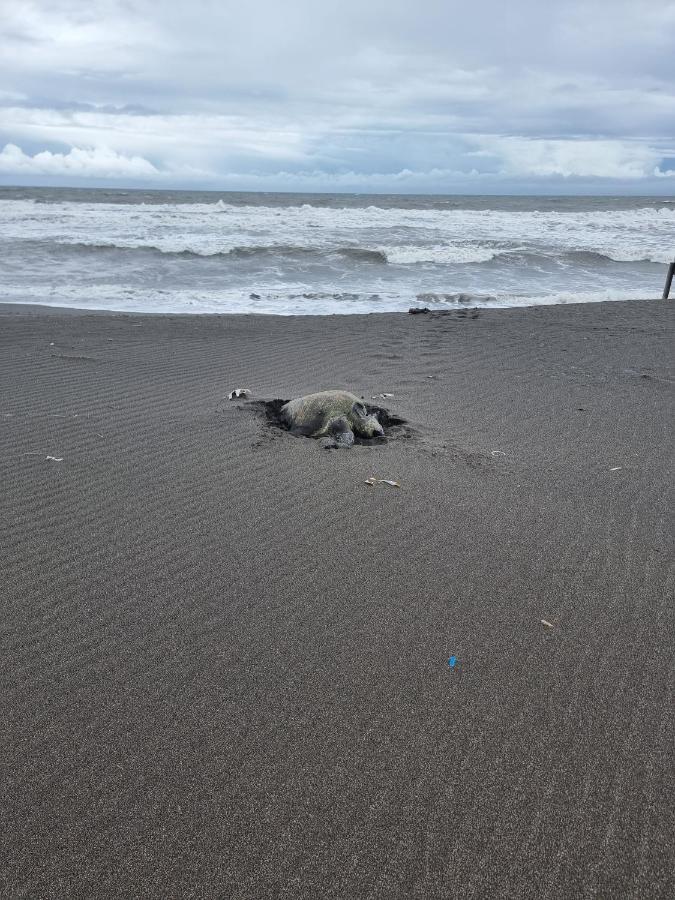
(290, 254)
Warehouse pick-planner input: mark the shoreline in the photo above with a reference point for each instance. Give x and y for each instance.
(226, 657)
(43, 308)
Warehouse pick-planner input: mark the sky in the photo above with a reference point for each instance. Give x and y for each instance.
(410, 96)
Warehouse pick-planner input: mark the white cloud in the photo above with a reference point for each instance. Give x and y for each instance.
(68, 36)
(184, 138)
(571, 158)
(357, 91)
(96, 162)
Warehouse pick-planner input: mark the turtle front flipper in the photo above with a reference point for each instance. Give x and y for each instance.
(340, 429)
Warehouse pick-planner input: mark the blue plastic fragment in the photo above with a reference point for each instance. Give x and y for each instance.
(452, 661)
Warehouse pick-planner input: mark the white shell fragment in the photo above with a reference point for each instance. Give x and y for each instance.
(373, 481)
(238, 392)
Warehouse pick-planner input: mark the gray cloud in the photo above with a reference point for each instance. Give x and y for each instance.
(343, 95)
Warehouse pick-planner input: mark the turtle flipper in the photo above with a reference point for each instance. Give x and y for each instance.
(341, 432)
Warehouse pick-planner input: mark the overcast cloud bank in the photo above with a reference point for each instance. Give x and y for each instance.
(433, 96)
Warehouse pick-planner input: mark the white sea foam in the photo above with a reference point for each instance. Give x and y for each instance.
(305, 258)
(299, 301)
(441, 253)
(624, 234)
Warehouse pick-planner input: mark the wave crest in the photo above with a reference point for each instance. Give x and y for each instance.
(361, 254)
(443, 254)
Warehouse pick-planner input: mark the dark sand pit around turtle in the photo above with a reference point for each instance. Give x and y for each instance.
(225, 657)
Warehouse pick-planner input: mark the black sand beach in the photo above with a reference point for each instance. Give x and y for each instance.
(225, 657)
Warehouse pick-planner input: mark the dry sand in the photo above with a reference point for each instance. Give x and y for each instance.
(225, 657)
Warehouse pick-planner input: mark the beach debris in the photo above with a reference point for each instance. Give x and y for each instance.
(615, 469)
(497, 453)
(339, 414)
(418, 310)
(382, 396)
(547, 623)
(452, 662)
(238, 392)
(54, 458)
(373, 481)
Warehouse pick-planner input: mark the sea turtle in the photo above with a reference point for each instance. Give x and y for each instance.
(335, 415)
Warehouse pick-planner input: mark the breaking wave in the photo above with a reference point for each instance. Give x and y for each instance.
(358, 254)
(188, 251)
(402, 256)
(412, 255)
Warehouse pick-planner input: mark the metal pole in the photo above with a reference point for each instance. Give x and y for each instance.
(669, 280)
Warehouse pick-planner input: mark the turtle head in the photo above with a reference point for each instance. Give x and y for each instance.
(365, 424)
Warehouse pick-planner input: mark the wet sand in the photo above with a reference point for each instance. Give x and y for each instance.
(225, 657)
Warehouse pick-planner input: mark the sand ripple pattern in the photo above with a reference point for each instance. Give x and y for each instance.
(224, 660)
